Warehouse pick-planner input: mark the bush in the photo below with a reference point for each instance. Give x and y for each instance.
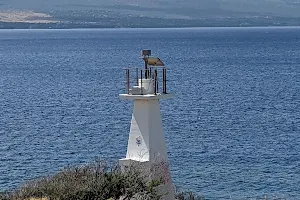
(3, 196)
(188, 196)
(94, 181)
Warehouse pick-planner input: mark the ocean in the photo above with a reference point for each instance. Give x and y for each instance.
(232, 128)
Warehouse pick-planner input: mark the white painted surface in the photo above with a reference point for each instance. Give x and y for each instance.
(146, 139)
(146, 85)
(146, 143)
(145, 97)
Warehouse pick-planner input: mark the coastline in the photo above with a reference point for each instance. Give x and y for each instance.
(152, 28)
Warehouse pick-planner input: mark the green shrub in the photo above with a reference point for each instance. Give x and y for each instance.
(188, 196)
(3, 196)
(94, 181)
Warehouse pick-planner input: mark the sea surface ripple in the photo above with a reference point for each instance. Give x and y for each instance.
(232, 130)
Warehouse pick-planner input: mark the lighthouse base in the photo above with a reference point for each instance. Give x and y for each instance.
(152, 172)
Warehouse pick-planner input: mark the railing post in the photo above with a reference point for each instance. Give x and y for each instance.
(155, 82)
(146, 67)
(147, 73)
(127, 80)
(165, 81)
(141, 81)
(137, 77)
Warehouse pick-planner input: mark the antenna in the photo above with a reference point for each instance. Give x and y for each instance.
(146, 54)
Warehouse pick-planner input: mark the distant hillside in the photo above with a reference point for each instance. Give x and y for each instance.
(160, 13)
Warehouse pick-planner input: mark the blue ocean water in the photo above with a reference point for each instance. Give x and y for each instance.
(232, 130)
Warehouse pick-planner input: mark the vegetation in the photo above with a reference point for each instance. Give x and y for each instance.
(95, 181)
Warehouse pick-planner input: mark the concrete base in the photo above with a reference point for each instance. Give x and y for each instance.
(156, 171)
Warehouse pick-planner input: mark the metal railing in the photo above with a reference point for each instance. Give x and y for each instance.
(151, 73)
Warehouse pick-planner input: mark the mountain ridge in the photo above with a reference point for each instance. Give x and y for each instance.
(192, 12)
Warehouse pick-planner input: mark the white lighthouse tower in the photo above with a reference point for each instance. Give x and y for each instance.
(146, 143)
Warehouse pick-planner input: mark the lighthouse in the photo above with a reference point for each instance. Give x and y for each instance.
(146, 143)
